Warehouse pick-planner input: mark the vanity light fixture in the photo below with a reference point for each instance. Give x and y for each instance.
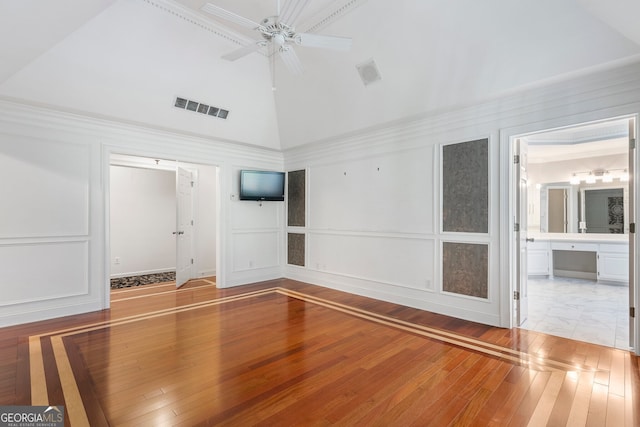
(606, 176)
(575, 180)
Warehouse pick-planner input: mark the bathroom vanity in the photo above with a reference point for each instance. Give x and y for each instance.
(601, 257)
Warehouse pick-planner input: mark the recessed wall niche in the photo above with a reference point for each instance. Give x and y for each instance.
(465, 187)
(296, 199)
(465, 269)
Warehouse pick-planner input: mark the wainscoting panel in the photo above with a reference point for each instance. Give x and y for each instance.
(249, 214)
(48, 186)
(465, 187)
(296, 198)
(465, 269)
(61, 271)
(295, 249)
(401, 261)
(393, 193)
(255, 250)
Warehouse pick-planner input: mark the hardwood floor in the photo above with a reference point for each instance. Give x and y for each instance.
(288, 353)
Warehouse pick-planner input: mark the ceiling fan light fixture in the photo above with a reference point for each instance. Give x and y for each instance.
(279, 39)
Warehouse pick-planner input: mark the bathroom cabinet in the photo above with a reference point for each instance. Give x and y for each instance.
(604, 259)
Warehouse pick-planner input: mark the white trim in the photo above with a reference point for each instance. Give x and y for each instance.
(507, 136)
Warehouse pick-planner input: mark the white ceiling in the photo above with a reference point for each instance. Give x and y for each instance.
(128, 59)
(589, 140)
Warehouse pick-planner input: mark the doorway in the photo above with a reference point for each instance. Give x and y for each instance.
(163, 218)
(577, 250)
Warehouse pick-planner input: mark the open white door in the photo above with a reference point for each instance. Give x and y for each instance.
(521, 292)
(184, 226)
(632, 220)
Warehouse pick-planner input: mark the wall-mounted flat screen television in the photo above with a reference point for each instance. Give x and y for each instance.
(261, 185)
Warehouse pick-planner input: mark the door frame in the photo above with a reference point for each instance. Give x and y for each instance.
(107, 152)
(508, 186)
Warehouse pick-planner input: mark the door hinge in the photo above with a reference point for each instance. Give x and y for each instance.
(191, 184)
(632, 143)
(191, 222)
(516, 295)
(632, 312)
(516, 227)
(191, 260)
(632, 227)
(516, 159)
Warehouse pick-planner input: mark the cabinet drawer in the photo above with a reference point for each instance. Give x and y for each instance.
(538, 245)
(622, 249)
(572, 246)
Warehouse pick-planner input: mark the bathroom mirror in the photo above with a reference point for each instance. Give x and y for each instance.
(584, 208)
(578, 180)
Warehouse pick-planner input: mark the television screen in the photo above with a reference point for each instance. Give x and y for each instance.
(261, 185)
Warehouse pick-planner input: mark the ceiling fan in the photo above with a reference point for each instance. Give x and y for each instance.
(279, 35)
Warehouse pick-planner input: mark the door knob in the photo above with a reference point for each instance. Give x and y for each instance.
(178, 232)
(530, 239)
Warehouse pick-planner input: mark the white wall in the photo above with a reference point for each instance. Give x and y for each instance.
(54, 188)
(142, 219)
(257, 230)
(50, 233)
(378, 232)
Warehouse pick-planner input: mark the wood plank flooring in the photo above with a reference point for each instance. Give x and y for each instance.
(287, 353)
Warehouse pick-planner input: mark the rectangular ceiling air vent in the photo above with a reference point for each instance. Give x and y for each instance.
(183, 103)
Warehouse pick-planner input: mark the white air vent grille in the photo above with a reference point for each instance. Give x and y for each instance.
(199, 107)
(369, 72)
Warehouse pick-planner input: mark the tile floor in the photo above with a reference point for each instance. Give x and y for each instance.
(580, 309)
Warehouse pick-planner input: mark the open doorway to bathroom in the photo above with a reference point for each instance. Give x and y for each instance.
(144, 221)
(578, 205)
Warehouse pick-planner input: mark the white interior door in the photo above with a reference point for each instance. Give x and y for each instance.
(184, 226)
(521, 294)
(632, 236)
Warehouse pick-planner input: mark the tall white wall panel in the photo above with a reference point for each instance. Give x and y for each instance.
(383, 193)
(48, 186)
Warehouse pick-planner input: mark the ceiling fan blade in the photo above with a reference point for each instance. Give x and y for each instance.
(243, 51)
(229, 16)
(326, 42)
(291, 60)
(291, 11)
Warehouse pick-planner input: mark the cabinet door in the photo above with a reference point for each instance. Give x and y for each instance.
(538, 262)
(613, 266)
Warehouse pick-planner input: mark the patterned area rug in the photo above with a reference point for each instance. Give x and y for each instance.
(147, 279)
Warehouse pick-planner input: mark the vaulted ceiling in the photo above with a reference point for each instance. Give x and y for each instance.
(128, 60)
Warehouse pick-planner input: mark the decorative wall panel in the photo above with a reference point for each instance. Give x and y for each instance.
(255, 249)
(465, 187)
(465, 269)
(61, 271)
(44, 187)
(295, 245)
(393, 260)
(296, 198)
(390, 193)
